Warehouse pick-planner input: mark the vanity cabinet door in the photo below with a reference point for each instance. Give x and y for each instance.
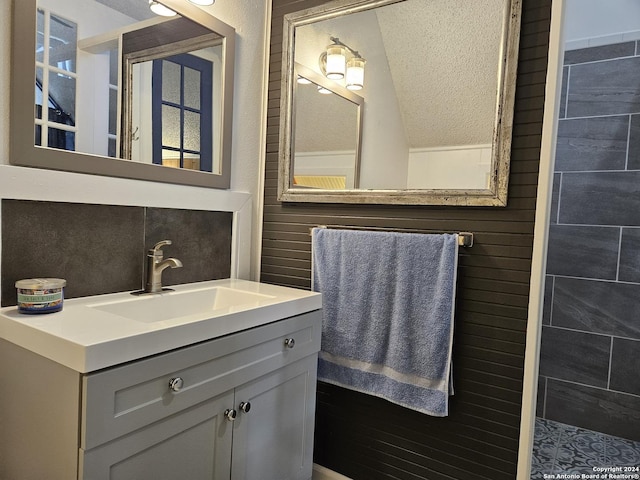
(273, 439)
(194, 444)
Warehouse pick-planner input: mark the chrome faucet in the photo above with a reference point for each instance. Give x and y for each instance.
(156, 265)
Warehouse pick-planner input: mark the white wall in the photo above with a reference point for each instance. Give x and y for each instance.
(327, 163)
(465, 167)
(591, 23)
(249, 17)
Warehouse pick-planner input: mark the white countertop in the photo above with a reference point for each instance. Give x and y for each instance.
(85, 338)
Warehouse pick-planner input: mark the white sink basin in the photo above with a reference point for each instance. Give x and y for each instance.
(170, 305)
(92, 333)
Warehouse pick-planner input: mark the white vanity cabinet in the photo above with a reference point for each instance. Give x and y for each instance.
(235, 407)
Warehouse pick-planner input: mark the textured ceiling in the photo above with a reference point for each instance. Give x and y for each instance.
(443, 63)
(138, 9)
(438, 58)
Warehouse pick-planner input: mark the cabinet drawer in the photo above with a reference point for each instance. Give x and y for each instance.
(125, 398)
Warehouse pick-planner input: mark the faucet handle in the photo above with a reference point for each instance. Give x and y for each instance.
(156, 250)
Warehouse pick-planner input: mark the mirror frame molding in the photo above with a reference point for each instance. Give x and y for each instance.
(495, 195)
(23, 151)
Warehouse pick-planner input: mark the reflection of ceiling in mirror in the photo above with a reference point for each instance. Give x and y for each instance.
(138, 9)
(326, 122)
(441, 61)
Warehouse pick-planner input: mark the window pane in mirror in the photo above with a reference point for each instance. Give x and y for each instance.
(113, 67)
(192, 131)
(40, 36)
(191, 88)
(112, 147)
(63, 36)
(61, 139)
(170, 82)
(39, 93)
(170, 126)
(191, 162)
(170, 158)
(62, 93)
(113, 110)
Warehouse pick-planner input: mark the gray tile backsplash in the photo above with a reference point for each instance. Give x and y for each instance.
(596, 306)
(630, 255)
(591, 325)
(583, 251)
(563, 92)
(600, 198)
(593, 408)
(604, 88)
(604, 52)
(555, 196)
(625, 366)
(102, 248)
(548, 298)
(575, 356)
(201, 241)
(598, 143)
(633, 161)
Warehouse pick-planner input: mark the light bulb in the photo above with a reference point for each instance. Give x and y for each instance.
(336, 62)
(202, 2)
(355, 73)
(160, 9)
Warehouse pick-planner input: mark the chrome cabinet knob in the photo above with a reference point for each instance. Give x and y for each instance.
(245, 406)
(230, 414)
(176, 384)
(289, 342)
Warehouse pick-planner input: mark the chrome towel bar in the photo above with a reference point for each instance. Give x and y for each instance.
(465, 239)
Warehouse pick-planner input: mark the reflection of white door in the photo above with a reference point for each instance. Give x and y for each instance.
(182, 112)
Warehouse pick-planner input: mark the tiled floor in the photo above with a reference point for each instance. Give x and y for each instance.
(560, 448)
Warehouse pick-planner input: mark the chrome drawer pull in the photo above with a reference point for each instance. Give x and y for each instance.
(175, 384)
(230, 414)
(245, 406)
(289, 342)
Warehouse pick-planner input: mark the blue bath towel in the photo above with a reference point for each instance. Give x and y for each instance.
(388, 301)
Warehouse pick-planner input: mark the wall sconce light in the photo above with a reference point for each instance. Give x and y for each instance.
(336, 62)
(335, 66)
(303, 81)
(355, 73)
(160, 9)
(324, 91)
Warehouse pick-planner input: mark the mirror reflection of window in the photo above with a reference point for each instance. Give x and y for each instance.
(181, 112)
(55, 81)
(112, 134)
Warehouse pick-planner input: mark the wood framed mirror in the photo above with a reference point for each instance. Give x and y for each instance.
(438, 97)
(78, 54)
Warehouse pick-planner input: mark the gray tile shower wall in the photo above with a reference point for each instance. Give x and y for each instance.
(590, 353)
(102, 248)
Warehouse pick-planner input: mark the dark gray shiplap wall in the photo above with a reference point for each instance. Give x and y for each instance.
(364, 437)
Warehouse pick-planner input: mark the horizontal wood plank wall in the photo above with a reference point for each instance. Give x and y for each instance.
(364, 437)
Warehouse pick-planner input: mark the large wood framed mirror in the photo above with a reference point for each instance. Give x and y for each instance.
(107, 87)
(437, 99)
